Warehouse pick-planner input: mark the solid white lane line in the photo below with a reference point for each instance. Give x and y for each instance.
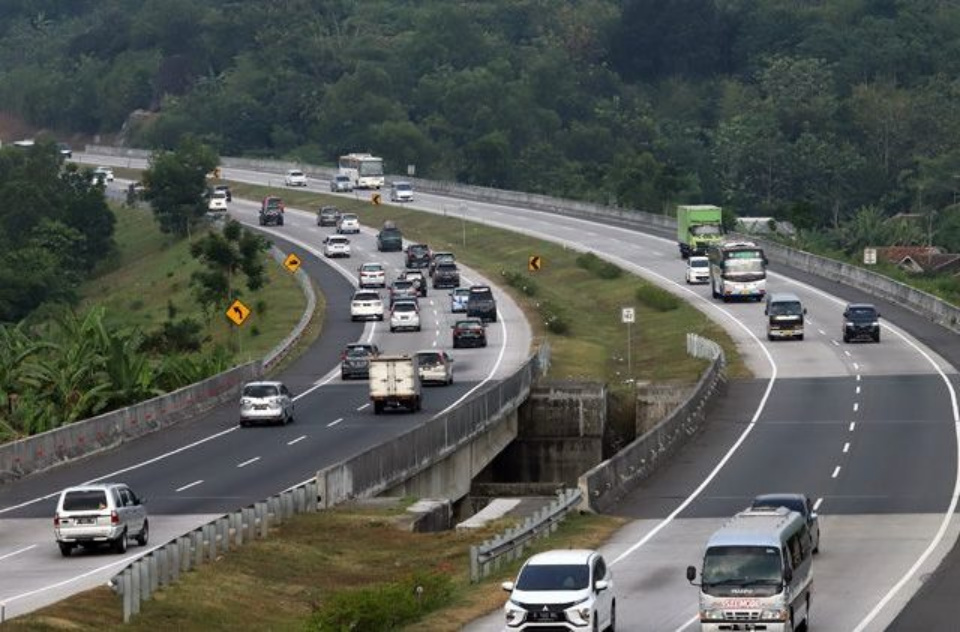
(125, 470)
(846, 447)
(364, 406)
(836, 471)
(856, 406)
(853, 425)
(248, 462)
(189, 485)
(17, 552)
(334, 422)
(297, 440)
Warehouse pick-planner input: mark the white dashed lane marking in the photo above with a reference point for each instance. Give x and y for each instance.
(248, 462)
(189, 485)
(297, 440)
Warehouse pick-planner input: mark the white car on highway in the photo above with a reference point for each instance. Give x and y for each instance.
(349, 223)
(373, 274)
(102, 174)
(336, 246)
(698, 269)
(269, 402)
(405, 314)
(562, 590)
(436, 367)
(218, 202)
(295, 178)
(401, 192)
(108, 513)
(366, 304)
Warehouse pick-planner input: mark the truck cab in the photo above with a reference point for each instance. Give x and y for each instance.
(785, 314)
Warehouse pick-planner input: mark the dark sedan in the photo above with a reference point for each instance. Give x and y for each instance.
(861, 321)
(355, 360)
(470, 332)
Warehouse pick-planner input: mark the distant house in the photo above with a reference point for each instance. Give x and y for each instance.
(920, 259)
(765, 226)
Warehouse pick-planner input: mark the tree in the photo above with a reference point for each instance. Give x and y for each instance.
(225, 256)
(176, 183)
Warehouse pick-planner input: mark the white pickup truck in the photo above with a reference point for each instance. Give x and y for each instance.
(394, 383)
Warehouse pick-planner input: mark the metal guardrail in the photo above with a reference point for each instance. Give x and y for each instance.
(162, 566)
(511, 544)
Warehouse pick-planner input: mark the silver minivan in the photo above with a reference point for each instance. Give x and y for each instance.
(107, 513)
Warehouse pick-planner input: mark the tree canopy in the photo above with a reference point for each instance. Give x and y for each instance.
(803, 110)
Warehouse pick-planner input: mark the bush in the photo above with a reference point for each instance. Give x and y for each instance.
(553, 318)
(384, 607)
(175, 336)
(520, 281)
(657, 298)
(600, 268)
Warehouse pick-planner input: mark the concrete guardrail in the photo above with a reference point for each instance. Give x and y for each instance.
(603, 485)
(109, 430)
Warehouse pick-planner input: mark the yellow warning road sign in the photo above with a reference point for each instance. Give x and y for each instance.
(238, 312)
(292, 262)
(375, 199)
(533, 263)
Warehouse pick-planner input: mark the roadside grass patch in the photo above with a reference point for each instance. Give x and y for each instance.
(148, 278)
(320, 571)
(587, 339)
(657, 298)
(600, 267)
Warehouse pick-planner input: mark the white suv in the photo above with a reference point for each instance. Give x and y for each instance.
(295, 178)
(336, 246)
(405, 314)
(401, 192)
(698, 270)
(265, 401)
(562, 590)
(100, 514)
(366, 304)
(349, 223)
(372, 274)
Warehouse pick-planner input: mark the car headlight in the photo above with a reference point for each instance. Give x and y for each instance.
(875, 323)
(514, 614)
(713, 614)
(580, 612)
(848, 323)
(775, 614)
(245, 403)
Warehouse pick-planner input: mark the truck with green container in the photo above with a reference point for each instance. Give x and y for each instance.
(698, 227)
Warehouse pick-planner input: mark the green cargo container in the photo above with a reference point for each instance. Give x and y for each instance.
(698, 226)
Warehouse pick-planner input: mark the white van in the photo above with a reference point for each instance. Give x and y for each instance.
(784, 314)
(698, 269)
(757, 573)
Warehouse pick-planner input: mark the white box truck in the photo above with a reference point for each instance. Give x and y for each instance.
(395, 383)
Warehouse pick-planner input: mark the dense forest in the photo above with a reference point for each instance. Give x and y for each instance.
(833, 114)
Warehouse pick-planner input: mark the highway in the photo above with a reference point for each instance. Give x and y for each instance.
(869, 431)
(193, 471)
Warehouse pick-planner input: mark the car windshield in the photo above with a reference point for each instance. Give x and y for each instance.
(785, 308)
(273, 203)
(366, 296)
(339, 241)
(535, 577)
(348, 218)
(85, 500)
(429, 358)
(296, 173)
(402, 285)
(342, 178)
(469, 324)
(260, 390)
(372, 267)
(741, 565)
(405, 307)
(417, 249)
(403, 187)
(371, 168)
(750, 266)
(442, 256)
(699, 263)
(328, 211)
(446, 267)
(863, 313)
(481, 294)
(358, 352)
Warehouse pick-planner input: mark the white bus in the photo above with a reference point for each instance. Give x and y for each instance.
(757, 573)
(737, 270)
(365, 171)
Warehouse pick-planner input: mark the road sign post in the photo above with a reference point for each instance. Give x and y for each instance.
(628, 316)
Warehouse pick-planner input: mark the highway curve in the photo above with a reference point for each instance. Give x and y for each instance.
(209, 466)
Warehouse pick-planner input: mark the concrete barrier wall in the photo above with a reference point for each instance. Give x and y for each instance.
(384, 466)
(83, 438)
(605, 484)
(109, 430)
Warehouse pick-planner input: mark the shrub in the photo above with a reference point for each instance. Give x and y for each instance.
(520, 281)
(657, 298)
(384, 607)
(553, 318)
(598, 267)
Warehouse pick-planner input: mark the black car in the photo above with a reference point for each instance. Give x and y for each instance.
(355, 360)
(328, 216)
(271, 215)
(440, 257)
(418, 256)
(389, 239)
(861, 321)
(446, 275)
(481, 304)
(469, 332)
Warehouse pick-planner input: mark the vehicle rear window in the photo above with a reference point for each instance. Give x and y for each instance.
(862, 312)
(469, 324)
(358, 352)
(404, 307)
(366, 296)
(429, 359)
(260, 390)
(86, 500)
(402, 285)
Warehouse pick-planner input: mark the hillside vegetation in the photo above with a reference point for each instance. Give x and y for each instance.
(808, 111)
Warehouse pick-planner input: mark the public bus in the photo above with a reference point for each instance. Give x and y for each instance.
(738, 269)
(364, 170)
